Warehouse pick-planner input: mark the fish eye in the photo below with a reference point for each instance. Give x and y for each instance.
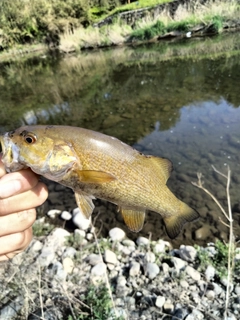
(30, 139)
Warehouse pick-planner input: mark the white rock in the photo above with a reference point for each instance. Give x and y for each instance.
(98, 272)
(129, 243)
(89, 236)
(65, 215)
(110, 257)
(68, 265)
(184, 284)
(160, 301)
(36, 245)
(134, 269)
(116, 234)
(53, 213)
(217, 289)
(151, 270)
(187, 253)
(160, 246)
(194, 274)
(80, 220)
(69, 252)
(53, 242)
(210, 294)
(210, 272)
(149, 257)
(142, 241)
(179, 264)
(195, 315)
(46, 257)
(94, 259)
(80, 233)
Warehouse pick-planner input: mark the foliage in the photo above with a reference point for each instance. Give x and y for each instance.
(219, 261)
(217, 23)
(149, 32)
(97, 304)
(42, 229)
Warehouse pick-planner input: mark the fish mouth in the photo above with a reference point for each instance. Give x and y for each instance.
(11, 154)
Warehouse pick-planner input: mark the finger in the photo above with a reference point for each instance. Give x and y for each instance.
(2, 168)
(12, 244)
(17, 182)
(17, 222)
(24, 201)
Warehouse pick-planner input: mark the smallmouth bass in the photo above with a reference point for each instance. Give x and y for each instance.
(95, 165)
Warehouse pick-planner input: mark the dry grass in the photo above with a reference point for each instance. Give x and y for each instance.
(229, 222)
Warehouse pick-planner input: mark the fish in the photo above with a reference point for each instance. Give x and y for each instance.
(95, 165)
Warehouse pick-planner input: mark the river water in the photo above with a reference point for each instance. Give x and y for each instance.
(178, 100)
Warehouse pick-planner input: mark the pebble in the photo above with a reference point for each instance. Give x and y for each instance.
(142, 241)
(117, 234)
(93, 259)
(110, 257)
(168, 307)
(151, 270)
(178, 263)
(80, 233)
(69, 252)
(134, 269)
(160, 301)
(210, 294)
(65, 215)
(149, 257)
(53, 213)
(210, 273)
(98, 272)
(202, 233)
(160, 246)
(187, 253)
(194, 274)
(195, 315)
(36, 245)
(80, 220)
(68, 265)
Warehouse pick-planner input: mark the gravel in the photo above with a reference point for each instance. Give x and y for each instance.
(148, 279)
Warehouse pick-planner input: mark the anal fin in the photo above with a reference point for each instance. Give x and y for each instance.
(84, 203)
(134, 219)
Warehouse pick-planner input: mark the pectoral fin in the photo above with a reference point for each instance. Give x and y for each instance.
(93, 176)
(84, 202)
(134, 219)
(175, 223)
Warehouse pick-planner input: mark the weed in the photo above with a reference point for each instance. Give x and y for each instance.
(219, 261)
(217, 22)
(74, 240)
(42, 229)
(98, 304)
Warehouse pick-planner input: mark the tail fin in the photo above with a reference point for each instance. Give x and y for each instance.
(175, 223)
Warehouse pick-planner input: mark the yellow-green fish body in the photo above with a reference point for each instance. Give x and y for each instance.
(97, 165)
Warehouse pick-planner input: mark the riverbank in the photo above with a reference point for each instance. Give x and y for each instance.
(170, 20)
(66, 276)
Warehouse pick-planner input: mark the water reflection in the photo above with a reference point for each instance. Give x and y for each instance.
(38, 116)
(176, 100)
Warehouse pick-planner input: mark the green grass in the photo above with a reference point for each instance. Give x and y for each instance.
(97, 305)
(219, 261)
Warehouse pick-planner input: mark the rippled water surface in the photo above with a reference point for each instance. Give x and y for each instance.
(175, 100)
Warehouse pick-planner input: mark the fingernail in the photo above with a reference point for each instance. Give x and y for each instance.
(10, 188)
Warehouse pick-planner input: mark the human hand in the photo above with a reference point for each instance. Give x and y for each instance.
(20, 193)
